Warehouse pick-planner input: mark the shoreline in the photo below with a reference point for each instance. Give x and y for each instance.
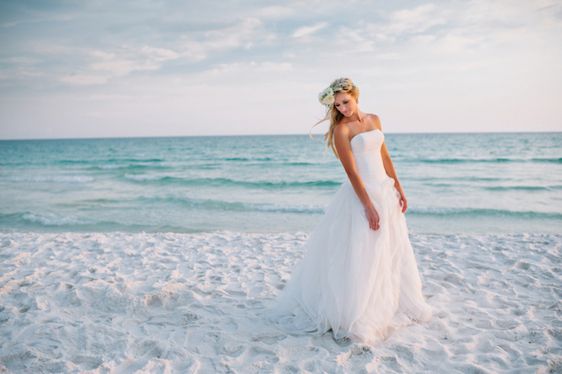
(411, 231)
(98, 301)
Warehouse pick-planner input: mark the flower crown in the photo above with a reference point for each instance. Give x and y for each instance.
(327, 98)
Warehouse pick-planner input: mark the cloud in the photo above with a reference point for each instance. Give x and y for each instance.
(309, 30)
(108, 65)
(84, 79)
(119, 62)
(415, 20)
(274, 12)
(245, 34)
(250, 67)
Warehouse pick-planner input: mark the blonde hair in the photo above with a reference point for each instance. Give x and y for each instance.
(333, 114)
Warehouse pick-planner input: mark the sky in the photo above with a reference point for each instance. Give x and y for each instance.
(83, 69)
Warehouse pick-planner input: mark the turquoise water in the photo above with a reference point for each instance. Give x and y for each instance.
(455, 183)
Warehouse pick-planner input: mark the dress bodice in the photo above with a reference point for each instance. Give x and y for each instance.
(366, 148)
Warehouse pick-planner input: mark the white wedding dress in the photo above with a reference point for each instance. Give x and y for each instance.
(360, 283)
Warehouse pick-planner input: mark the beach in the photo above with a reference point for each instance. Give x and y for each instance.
(192, 302)
(162, 254)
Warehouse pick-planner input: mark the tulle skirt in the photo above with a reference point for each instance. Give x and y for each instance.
(360, 283)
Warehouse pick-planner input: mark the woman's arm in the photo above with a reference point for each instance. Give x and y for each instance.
(343, 146)
(389, 168)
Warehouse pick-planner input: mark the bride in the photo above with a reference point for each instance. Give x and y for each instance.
(358, 276)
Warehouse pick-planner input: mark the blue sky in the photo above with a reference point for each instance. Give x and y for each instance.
(156, 68)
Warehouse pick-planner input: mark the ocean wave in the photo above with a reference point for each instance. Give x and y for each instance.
(247, 159)
(130, 167)
(142, 177)
(41, 219)
(49, 219)
(167, 180)
(94, 164)
(494, 188)
(300, 163)
(435, 180)
(212, 204)
(200, 204)
(109, 161)
(52, 221)
(523, 188)
(50, 178)
(556, 160)
(483, 212)
(261, 160)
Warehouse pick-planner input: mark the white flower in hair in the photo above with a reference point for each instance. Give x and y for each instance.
(326, 97)
(342, 84)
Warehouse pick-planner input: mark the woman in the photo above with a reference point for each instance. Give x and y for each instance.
(358, 276)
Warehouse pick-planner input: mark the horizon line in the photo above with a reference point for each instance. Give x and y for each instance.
(284, 134)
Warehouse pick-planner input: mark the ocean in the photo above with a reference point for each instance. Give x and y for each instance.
(454, 182)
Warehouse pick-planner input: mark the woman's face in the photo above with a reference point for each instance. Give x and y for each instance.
(345, 103)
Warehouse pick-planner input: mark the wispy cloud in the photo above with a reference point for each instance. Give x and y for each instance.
(105, 65)
(274, 12)
(305, 31)
(251, 67)
(245, 34)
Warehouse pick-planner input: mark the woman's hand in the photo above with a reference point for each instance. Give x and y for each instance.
(403, 201)
(372, 217)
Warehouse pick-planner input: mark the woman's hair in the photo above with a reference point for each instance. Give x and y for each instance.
(332, 113)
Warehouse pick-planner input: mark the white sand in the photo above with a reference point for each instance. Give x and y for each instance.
(124, 302)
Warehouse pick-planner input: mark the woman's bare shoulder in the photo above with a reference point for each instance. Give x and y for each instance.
(376, 120)
(341, 129)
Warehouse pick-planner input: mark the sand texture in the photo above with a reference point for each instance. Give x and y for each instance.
(166, 302)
